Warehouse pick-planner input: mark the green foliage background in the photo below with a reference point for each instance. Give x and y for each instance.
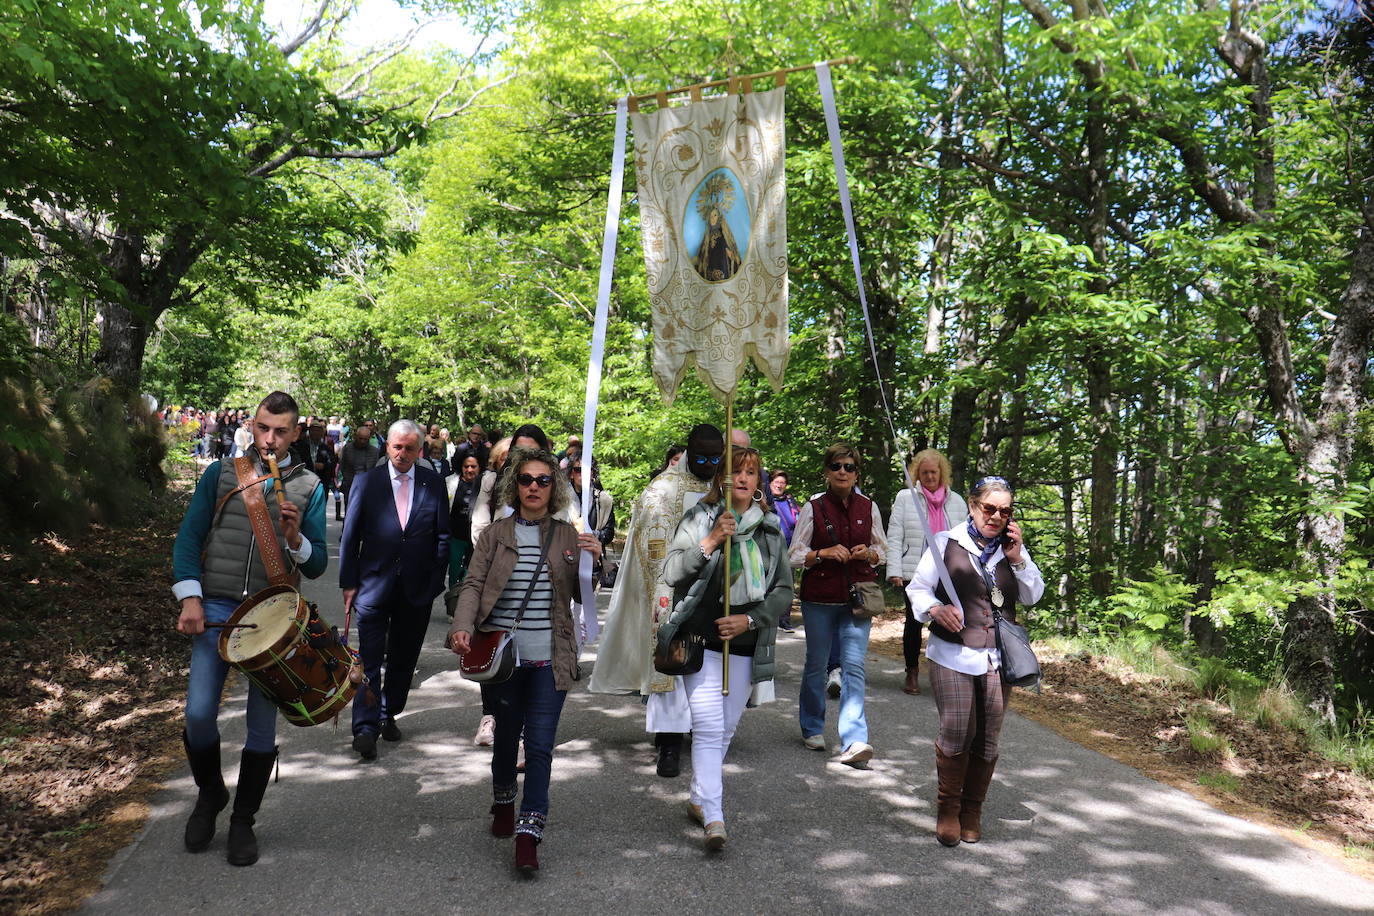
(1053, 299)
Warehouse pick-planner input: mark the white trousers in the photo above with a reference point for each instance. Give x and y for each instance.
(714, 718)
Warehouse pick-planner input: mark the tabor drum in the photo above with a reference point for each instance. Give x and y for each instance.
(291, 654)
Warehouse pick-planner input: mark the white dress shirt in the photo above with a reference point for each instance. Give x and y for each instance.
(396, 487)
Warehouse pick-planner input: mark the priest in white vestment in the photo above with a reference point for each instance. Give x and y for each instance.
(624, 661)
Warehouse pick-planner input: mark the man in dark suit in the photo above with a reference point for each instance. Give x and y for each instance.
(392, 561)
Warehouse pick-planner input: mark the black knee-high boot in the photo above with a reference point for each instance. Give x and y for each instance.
(255, 769)
(205, 768)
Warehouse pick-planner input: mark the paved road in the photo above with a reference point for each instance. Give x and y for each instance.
(1066, 829)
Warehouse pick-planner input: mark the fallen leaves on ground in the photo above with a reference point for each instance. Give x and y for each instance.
(90, 703)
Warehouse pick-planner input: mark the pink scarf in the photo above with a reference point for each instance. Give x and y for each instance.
(935, 507)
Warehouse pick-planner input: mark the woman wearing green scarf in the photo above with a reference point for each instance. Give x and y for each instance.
(760, 591)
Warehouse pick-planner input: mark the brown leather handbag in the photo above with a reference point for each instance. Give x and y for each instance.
(491, 657)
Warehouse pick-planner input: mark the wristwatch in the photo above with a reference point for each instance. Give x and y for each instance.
(1017, 567)
(753, 624)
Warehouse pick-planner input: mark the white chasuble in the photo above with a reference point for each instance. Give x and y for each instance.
(641, 601)
(713, 216)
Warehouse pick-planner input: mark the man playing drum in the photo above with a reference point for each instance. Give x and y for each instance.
(216, 564)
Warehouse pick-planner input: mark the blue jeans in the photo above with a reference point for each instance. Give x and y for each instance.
(529, 701)
(206, 685)
(826, 623)
(392, 633)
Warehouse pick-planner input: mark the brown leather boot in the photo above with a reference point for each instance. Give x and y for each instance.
(949, 770)
(913, 682)
(976, 783)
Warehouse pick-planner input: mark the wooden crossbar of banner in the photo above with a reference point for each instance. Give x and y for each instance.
(734, 84)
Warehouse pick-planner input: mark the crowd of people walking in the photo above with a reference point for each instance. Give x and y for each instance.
(717, 547)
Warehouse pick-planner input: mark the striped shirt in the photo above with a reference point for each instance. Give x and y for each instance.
(534, 637)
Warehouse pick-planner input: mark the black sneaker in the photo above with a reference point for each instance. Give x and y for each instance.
(669, 760)
(389, 731)
(365, 743)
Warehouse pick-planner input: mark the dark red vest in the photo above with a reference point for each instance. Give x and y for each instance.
(825, 582)
(973, 595)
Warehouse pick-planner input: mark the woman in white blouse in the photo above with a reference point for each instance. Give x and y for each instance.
(989, 567)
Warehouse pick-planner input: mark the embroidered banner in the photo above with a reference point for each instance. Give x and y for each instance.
(713, 214)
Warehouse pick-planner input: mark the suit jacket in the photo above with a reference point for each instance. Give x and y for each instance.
(379, 559)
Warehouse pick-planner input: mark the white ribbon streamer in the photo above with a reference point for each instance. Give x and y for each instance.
(591, 626)
(832, 127)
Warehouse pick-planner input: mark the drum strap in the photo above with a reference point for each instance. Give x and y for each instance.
(263, 532)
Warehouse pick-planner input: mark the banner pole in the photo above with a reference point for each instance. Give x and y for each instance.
(727, 495)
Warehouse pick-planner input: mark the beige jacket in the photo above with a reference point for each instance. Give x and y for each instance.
(493, 560)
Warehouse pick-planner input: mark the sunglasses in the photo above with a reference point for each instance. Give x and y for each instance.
(712, 460)
(844, 466)
(544, 480)
(991, 511)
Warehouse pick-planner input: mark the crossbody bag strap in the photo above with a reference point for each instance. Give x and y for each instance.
(534, 579)
(278, 573)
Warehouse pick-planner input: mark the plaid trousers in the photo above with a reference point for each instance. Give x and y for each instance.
(971, 710)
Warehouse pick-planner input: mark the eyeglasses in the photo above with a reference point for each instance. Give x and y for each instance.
(712, 460)
(990, 511)
(848, 466)
(544, 480)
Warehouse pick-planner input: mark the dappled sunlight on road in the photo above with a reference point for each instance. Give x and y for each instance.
(1065, 829)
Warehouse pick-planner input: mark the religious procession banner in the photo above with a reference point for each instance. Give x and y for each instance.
(713, 215)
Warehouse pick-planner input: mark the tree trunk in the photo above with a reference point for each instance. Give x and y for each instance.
(123, 341)
(965, 398)
(1311, 631)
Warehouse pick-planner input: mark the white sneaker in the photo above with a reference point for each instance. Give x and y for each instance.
(486, 732)
(832, 684)
(814, 742)
(856, 755)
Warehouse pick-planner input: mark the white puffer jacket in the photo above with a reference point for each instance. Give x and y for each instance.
(906, 536)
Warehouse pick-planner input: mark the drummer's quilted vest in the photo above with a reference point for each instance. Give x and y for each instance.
(231, 565)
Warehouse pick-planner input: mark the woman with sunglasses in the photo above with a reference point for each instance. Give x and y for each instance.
(990, 568)
(526, 559)
(838, 541)
(733, 512)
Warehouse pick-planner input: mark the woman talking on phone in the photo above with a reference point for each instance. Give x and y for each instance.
(990, 568)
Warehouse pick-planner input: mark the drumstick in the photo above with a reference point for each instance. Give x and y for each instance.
(231, 626)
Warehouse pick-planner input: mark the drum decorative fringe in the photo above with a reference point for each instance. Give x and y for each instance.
(296, 659)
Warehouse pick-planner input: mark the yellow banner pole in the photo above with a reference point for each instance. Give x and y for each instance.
(728, 486)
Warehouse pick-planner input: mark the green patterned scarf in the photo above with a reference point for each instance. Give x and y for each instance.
(747, 583)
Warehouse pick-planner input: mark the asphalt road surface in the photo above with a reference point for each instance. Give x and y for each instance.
(1066, 830)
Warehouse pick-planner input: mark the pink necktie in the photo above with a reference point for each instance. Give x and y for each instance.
(403, 500)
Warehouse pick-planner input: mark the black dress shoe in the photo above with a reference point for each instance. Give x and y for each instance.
(365, 743)
(389, 731)
(669, 760)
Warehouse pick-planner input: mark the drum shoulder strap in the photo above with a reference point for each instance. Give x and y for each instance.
(261, 521)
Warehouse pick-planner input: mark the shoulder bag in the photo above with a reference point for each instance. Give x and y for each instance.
(865, 598)
(1020, 667)
(491, 657)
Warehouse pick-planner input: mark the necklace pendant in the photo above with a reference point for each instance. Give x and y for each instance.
(997, 597)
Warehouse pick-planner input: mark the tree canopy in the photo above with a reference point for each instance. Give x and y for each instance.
(1120, 254)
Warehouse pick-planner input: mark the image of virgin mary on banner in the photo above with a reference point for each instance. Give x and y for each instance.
(713, 217)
